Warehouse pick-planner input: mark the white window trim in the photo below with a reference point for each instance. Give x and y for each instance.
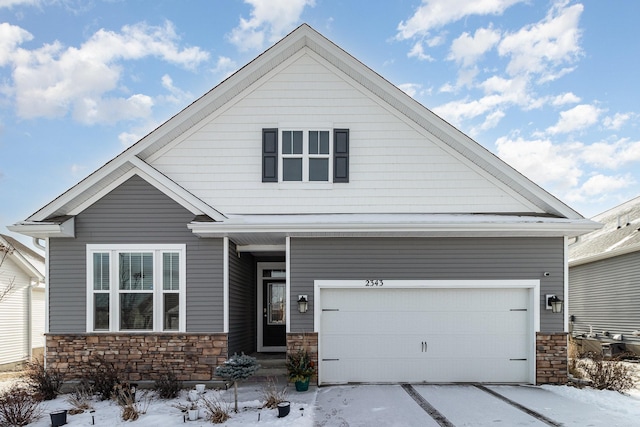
(305, 156)
(114, 291)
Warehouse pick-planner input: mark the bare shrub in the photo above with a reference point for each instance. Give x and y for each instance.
(80, 398)
(103, 375)
(18, 407)
(217, 409)
(167, 385)
(125, 397)
(607, 375)
(44, 382)
(272, 395)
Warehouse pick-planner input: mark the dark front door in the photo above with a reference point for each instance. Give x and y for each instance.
(274, 314)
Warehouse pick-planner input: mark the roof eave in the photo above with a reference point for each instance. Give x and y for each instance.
(604, 255)
(526, 229)
(43, 230)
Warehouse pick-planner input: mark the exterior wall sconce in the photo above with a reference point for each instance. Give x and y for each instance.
(303, 303)
(554, 303)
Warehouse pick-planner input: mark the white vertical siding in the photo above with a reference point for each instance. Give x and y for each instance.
(395, 165)
(37, 318)
(14, 314)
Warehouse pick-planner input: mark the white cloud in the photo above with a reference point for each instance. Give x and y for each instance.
(565, 98)
(11, 3)
(417, 51)
(134, 135)
(599, 185)
(611, 155)
(225, 66)
(542, 161)
(432, 14)
(52, 81)
(411, 89)
(457, 111)
(270, 20)
(110, 110)
(579, 117)
(466, 49)
(616, 122)
(542, 47)
(11, 36)
(177, 95)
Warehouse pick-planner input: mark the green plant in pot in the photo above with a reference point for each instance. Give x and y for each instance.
(301, 368)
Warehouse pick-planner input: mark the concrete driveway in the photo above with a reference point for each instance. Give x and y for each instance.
(454, 405)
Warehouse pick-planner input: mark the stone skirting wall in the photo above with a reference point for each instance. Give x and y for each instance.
(551, 358)
(304, 340)
(191, 356)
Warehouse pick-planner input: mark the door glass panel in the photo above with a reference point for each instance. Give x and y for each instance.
(276, 302)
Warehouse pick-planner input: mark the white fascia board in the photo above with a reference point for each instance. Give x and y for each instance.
(531, 229)
(604, 255)
(43, 230)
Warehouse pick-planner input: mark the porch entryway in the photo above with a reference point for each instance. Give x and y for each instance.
(272, 306)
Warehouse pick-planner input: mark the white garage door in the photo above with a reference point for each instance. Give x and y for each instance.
(425, 335)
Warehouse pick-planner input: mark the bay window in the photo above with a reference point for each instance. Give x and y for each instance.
(136, 288)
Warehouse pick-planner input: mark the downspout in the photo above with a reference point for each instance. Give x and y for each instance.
(37, 244)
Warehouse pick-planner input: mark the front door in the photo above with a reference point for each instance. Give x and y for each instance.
(273, 305)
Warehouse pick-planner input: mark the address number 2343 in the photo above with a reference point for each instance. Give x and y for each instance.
(373, 283)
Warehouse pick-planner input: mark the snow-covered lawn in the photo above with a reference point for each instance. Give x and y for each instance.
(361, 405)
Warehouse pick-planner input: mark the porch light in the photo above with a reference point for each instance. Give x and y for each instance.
(554, 303)
(303, 304)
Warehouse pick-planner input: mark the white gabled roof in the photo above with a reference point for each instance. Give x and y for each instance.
(29, 261)
(620, 235)
(133, 159)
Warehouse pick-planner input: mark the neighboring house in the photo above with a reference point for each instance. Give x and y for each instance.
(604, 282)
(22, 303)
(306, 176)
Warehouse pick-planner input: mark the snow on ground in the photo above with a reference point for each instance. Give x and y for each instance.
(383, 405)
(164, 413)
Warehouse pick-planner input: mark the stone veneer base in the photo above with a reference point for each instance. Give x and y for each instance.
(142, 356)
(304, 340)
(551, 358)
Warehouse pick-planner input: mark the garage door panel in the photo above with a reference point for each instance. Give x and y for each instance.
(431, 335)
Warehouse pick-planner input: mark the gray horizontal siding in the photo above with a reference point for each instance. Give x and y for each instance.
(134, 213)
(242, 302)
(606, 295)
(426, 259)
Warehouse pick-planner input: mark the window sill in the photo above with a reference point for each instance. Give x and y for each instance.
(305, 185)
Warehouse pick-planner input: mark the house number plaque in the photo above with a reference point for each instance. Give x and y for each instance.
(373, 282)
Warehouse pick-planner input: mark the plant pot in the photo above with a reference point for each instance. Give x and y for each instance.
(58, 418)
(193, 414)
(200, 388)
(302, 385)
(283, 409)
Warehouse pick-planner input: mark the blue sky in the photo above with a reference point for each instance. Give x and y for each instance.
(551, 87)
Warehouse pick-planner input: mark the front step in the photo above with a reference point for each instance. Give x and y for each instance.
(272, 366)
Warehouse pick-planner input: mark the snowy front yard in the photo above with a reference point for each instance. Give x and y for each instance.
(384, 405)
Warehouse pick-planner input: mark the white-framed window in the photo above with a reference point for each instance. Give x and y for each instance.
(136, 288)
(305, 156)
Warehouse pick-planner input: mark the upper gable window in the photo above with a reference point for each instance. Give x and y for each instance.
(305, 155)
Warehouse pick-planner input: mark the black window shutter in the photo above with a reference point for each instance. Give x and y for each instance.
(269, 155)
(341, 155)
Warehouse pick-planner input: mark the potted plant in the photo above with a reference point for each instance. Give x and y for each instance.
(301, 368)
(193, 411)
